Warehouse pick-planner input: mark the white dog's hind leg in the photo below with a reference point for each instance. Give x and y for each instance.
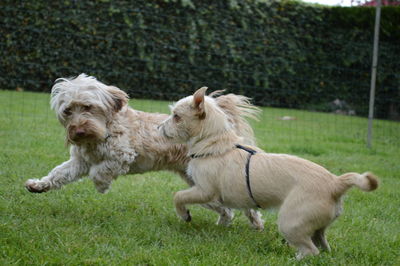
(63, 174)
(193, 195)
(255, 219)
(225, 214)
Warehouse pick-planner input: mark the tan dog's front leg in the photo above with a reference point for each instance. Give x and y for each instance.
(193, 195)
(225, 214)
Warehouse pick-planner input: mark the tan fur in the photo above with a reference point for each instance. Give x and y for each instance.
(108, 138)
(308, 196)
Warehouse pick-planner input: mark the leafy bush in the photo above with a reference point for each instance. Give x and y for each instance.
(281, 53)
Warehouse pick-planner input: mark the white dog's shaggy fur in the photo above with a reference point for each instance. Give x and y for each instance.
(108, 138)
(308, 196)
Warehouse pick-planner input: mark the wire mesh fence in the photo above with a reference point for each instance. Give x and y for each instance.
(149, 66)
(278, 129)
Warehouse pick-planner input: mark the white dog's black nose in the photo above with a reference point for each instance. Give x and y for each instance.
(80, 132)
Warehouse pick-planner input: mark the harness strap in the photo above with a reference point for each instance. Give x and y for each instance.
(193, 156)
(251, 153)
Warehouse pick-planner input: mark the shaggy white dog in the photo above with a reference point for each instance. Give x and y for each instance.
(308, 196)
(108, 138)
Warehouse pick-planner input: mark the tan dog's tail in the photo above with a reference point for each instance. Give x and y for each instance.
(366, 182)
(238, 108)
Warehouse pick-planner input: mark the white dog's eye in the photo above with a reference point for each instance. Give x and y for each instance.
(87, 108)
(176, 118)
(67, 111)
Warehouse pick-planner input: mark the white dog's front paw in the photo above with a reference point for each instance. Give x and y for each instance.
(36, 186)
(102, 187)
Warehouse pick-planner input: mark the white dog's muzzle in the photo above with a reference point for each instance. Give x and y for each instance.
(161, 128)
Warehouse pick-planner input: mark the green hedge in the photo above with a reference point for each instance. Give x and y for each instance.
(281, 53)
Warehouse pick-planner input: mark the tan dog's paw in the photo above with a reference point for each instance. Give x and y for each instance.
(258, 223)
(255, 219)
(36, 186)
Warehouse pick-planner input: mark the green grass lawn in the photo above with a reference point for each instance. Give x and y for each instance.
(135, 222)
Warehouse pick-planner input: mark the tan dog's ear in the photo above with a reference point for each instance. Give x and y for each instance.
(198, 101)
(120, 98)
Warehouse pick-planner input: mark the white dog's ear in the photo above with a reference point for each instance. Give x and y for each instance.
(198, 102)
(119, 98)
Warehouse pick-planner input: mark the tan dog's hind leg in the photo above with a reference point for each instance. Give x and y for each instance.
(299, 224)
(298, 238)
(305, 247)
(320, 241)
(193, 195)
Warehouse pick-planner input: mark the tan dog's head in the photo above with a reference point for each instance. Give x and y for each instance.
(85, 106)
(195, 116)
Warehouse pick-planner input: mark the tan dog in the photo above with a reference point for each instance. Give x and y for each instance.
(108, 138)
(308, 195)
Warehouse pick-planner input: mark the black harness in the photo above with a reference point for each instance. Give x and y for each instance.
(251, 153)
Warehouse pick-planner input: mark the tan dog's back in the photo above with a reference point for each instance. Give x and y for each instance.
(279, 174)
(273, 177)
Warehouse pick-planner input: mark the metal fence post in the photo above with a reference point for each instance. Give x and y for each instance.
(373, 72)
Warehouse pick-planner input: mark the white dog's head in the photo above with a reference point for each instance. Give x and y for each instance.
(195, 116)
(85, 107)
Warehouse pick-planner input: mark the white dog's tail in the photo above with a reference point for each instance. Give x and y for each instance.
(366, 182)
(238, 108)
